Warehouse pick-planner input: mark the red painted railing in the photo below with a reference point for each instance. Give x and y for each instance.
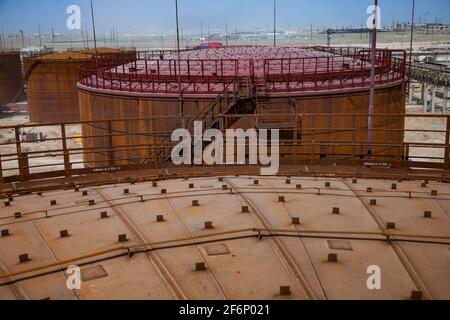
(330, 68)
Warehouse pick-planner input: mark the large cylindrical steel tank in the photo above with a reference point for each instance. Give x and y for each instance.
(131, 141)
(51, 82)
(319, 101)
(333, 126)
(10, 76)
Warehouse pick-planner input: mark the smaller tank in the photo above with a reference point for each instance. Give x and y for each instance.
(52, 78)
(10, 76)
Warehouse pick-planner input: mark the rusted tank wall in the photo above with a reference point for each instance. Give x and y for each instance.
(10, 76)
(351, 130)
(94, 106)
(52, 92)
(329, 112)
(51, 83)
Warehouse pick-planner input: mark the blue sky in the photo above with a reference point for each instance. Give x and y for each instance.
(154, 16)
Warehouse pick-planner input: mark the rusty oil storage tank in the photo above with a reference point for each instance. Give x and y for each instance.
(320, 93)
(51, 82)
(10, 76)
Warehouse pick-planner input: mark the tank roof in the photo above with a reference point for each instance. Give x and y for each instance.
(230, 238)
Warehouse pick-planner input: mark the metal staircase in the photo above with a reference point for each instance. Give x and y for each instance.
(217, 115)
(269, 115)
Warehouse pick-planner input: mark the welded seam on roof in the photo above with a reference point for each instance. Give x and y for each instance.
(397, 248)
(152, 256)
(319, 280)
(287, 260)
(55, 257)
(16, 290)
(209, 269)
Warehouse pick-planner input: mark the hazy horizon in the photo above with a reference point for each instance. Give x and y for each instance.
(143, 17)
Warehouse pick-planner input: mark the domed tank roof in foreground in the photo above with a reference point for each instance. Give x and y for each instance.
(230, 238)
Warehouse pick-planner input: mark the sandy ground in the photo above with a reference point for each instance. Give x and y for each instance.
(425, 137)
(432, 124)
(51, 157)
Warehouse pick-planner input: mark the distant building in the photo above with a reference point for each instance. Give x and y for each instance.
(209, 45)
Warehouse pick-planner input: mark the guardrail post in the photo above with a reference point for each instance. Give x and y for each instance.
(67, 165)
(407, 152)
(23, 163)
(110, 145)
(24, 169)
(296, 121)
(313, 139)
(447, 144)
(354, 140)
(1, 171)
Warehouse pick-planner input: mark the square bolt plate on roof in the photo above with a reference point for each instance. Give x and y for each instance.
(336, 210)
(423, 185)
(295, 220)
(163, 191)
(220, 179)
(104, 215)
(195, 203)
(373, 202)
(224, 187)
(7, 204)
(191, 186)
(91, 202)
(53, 203)
(434, 193)
(154, 184)
(327, 184)
(209, 225)
(288, 181)
(285, 291)
(160, 218)
(64, 234)
(333, 257)
(18, 215)
(369, 190)
(24, 258)
(427, 214)
(416, 295)
(122, 238)
(391, 226)
(5, 233)
(281, 199)
(256, 182)
(355, 181)
(298, 187)
(85, 193)
(126, 191)
(200, 266)
(245, 209)
(394, 186)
